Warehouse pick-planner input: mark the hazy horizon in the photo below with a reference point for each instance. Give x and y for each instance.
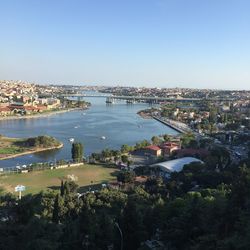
(125, 85)
(144, 43)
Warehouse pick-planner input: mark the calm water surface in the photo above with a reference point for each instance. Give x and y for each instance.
(118, 122)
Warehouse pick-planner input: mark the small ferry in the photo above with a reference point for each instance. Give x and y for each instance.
(71, 140)
(103, 137)
(130, 101)
(110, 102)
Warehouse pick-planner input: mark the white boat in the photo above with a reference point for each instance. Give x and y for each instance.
(103, 137)
(71, 140)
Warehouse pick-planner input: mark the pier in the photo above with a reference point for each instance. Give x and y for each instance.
(173, 125)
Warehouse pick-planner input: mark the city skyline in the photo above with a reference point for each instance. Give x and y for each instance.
(142, 43)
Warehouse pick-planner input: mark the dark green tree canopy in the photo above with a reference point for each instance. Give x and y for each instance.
(77, 151)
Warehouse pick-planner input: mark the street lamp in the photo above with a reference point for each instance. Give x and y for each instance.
(120, 231)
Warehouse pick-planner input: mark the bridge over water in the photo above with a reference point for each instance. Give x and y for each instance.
(148, 99)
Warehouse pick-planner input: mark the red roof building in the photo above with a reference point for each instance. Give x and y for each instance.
(5, 111)
(169, 147)
(153, 150)
(41, 108)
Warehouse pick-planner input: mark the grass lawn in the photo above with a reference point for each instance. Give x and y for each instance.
(87, 175)
(7, 145)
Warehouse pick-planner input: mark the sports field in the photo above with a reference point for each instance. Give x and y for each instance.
(84, 176)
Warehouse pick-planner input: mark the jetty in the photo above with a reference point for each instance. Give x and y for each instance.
(181, 128)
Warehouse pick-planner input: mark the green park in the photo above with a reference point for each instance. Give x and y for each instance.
(85, 176)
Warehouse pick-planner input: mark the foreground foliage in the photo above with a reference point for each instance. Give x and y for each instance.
(198, 208)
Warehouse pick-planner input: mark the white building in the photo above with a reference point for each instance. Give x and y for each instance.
(167, 167)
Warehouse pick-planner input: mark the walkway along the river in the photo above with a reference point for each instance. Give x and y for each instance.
(174, 125)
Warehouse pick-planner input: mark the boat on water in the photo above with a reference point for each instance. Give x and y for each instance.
(110, 102)
(103, 137)
(130, 101)
(71, 140)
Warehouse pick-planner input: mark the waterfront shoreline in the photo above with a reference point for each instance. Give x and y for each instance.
(31, 152)
(86, 128)
(43, 115)
(144, 115)
(169, 125)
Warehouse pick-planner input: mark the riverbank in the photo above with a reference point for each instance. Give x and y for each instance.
(15, 147)
(144, 115)
(30, 152)
(40, 115)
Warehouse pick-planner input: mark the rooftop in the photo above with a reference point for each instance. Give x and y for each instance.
(153, 147)
(175, 165)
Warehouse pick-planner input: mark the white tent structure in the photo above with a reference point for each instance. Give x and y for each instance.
(176, 165)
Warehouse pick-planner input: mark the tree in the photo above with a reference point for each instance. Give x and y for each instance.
(57, 212)
(166, 137)
(70, 187)
(186, 138)
(193, 144)
(62, 188)
(77, 151)
(126, 177)
(155, 140)
(153, 184)
(43, 141)
(124, 158)
(222, 156)
(132, 225)
(125, 148)
(106, 153)
(142, 144)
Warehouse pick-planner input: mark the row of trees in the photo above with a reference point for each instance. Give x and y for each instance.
(43, 141)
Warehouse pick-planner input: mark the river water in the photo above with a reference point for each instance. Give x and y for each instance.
(118, 122)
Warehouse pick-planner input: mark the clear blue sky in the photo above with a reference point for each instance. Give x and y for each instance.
(164, 43)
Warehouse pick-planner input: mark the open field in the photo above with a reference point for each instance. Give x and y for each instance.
(87, 175)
